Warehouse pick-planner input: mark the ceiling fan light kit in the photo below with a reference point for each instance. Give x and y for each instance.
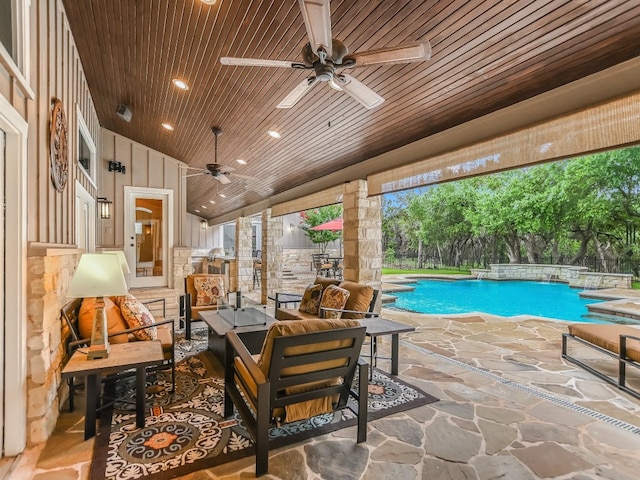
(327, 57)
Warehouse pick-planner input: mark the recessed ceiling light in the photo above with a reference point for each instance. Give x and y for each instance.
(197, 211)
(180, 84)
(222, 195)
(209, 2)
(211, 201)
(274, 134)
(167, 126)
(241, 161)
(204, 206)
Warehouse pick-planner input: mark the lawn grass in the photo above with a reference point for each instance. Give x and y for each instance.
(427, 271)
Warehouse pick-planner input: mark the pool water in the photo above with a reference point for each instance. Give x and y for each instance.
(504, 298)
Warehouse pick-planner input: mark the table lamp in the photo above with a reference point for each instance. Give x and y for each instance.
(98, 275)
(122, 259)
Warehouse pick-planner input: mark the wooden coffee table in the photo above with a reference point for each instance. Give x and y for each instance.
(250, 323)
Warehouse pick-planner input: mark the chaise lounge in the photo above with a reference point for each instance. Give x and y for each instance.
(619, 342)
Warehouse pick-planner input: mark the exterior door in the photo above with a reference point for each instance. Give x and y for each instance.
(148, 235)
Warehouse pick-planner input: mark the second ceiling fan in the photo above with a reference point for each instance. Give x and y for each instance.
(328, 57)
(216, 170)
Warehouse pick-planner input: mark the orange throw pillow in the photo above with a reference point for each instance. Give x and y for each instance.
(115, 322)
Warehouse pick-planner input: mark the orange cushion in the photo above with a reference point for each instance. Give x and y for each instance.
(325, 281)
(608, 337)
(316, 406)
(359, 298)
(296, 327)
(115, 322)
(137, 315)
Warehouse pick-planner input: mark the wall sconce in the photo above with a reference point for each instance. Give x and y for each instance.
(292, 227)
(116, 167)
(203, 224)
(105, 208)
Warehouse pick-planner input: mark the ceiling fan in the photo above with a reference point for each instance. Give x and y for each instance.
(328, 56)
(216, 170)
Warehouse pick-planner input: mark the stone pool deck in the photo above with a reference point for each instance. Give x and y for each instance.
(509, 408)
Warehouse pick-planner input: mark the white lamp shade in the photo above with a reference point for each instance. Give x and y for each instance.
(97, 275)
(122, 259)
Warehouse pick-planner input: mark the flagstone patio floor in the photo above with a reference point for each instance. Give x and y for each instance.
(509, 408)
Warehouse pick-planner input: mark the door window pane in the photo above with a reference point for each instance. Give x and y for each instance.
(148, 233)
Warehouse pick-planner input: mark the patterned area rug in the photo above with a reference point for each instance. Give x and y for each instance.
(186, 431)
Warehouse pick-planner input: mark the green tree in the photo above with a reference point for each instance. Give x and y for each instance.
(317, 216)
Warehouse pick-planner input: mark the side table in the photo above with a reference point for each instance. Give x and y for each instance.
(122, 356)
(377, 327)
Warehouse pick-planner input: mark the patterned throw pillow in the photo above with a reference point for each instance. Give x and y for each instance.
(311, 299)
(334, 297)
(137, 315)
(209, 290)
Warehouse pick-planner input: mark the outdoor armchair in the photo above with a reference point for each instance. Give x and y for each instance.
(305, 368)
(203, 292)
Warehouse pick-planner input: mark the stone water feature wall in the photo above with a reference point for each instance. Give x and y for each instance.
(575, 276)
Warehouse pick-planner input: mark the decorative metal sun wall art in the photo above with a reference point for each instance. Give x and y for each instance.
(58, 146)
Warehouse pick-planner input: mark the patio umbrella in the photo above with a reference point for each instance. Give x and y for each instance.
(333, 225)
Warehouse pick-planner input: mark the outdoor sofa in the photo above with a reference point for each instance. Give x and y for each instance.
(360, 303)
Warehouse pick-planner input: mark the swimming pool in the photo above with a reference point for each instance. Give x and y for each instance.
(504, 298)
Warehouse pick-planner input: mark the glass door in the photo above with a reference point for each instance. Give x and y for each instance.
(148, 228)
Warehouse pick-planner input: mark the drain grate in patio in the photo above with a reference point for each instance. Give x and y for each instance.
(532, 391)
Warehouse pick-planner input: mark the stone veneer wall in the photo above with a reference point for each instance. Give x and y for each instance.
(575, 276)
(244, 255)
(272, 261)
(299, 259)
(182, 266)
(362, 235)
(49, 271)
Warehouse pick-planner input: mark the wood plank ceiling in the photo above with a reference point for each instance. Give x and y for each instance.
(487, 54)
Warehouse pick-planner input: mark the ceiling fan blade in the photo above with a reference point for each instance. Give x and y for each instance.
(195, 174)
(359, 91)
(257, 62)
(223, 179)
(317, 20)
(297, 93)
(409, 52)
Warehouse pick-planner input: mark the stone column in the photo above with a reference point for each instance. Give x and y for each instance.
(181, 267)
(244, 259)
(362, 235)
(272, 257)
